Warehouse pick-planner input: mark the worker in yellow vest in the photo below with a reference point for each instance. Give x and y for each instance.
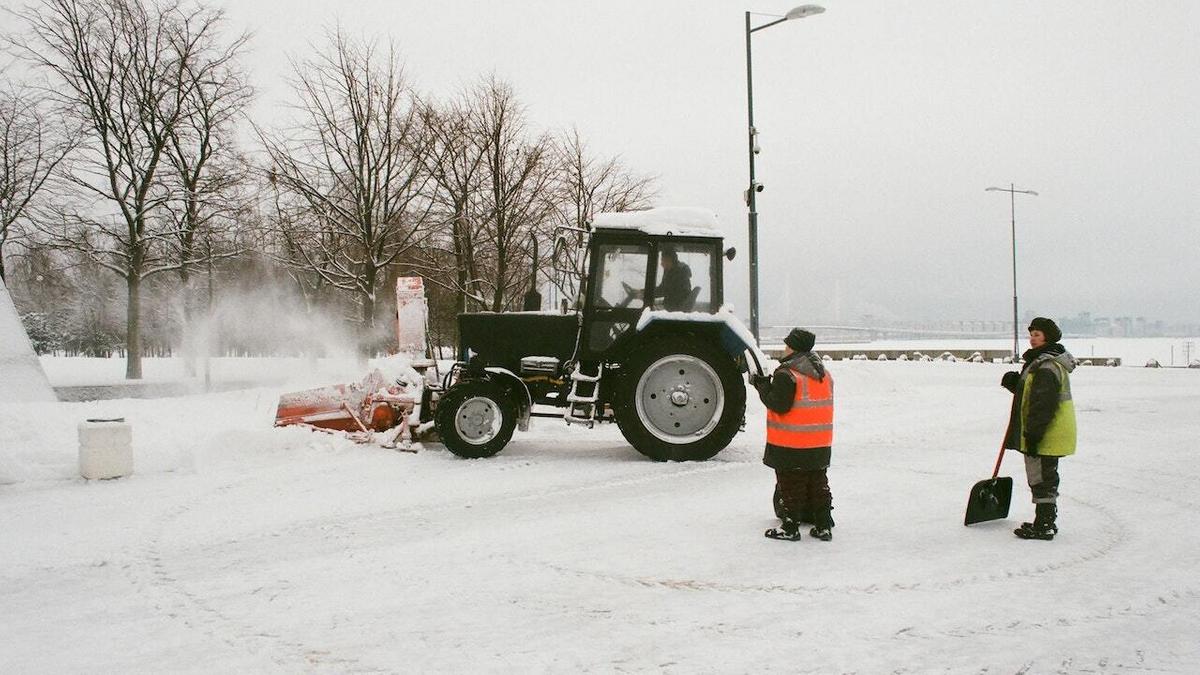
(1041, 423)
(799, 401)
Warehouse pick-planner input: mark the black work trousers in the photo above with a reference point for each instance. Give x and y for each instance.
(803, 494)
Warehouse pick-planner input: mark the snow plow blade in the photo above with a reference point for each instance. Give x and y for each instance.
(338, 407)
(989, 500)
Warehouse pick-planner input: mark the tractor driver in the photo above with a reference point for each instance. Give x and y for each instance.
(675, 286)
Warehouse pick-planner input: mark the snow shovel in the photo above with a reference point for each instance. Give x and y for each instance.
(990, 499)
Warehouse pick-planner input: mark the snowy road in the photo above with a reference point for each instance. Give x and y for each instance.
(250, 549)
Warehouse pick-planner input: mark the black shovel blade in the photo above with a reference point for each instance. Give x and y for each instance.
(989, 500)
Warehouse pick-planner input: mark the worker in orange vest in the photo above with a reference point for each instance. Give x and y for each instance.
(799, 401)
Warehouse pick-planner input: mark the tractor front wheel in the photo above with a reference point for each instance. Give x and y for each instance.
(475, 418)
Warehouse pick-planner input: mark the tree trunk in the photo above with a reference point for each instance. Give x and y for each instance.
(501, 278)
(367, 335)
(133, 334)
(187, 338)
(461, 248)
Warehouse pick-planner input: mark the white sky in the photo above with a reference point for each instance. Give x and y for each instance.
(881, 124)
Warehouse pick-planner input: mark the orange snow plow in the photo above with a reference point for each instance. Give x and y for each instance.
(340, 407)
(380, 409)
(369, 411)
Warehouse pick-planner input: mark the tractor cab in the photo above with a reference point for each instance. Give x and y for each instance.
(634, 268)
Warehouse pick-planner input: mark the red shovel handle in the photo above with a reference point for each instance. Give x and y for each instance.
(996, 471)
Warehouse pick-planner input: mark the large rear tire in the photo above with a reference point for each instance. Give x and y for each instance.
(680, 399)
(475, 418)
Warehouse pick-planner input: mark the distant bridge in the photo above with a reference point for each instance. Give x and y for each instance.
(832, 333)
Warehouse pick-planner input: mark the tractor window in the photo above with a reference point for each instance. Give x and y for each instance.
(621, 274)
(683, 279)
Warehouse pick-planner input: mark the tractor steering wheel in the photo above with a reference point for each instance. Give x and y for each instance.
(630, 294)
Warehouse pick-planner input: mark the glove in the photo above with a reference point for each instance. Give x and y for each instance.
(759, 381)
(1010, 379)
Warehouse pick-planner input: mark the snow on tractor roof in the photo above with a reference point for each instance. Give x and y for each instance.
(676, 220)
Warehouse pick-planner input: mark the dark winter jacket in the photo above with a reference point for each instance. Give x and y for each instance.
(1044, 389)
(778, 393)
(676, 288)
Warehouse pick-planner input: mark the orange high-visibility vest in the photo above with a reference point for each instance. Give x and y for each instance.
(809, 424)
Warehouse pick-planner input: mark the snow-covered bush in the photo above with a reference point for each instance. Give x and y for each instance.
(860, 357)
(1153, 363)
(976, 357)
(881, 357)
(902, 357)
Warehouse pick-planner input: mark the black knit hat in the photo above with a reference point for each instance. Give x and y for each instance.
(1048, 328)
(800, 340)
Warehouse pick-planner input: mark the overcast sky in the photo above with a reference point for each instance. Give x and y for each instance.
(881, 124)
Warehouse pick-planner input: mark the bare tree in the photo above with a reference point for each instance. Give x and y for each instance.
(207, 174)
(456, 163)
(120, 67)
(354, 162)
(589, 185)
(30, 150)
(518, 174)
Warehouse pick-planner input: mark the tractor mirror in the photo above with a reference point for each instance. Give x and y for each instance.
(730, 253)
(559, 259)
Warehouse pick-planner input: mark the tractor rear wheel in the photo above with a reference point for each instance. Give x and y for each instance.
(680, 399)
(475, 418)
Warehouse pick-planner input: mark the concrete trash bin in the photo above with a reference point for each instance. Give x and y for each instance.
(105, 448)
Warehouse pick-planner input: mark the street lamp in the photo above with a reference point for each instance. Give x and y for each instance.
(1012, 199)
(755, 187)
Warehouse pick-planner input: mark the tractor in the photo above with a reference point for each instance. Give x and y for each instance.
(648, 345)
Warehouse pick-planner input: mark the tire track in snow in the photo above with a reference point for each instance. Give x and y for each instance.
(358, 526)
(1115, 534)
(153, 575)
(1148, 603)
(172, 597)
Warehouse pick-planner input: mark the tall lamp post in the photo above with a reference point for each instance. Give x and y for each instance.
(1012, 203)
(796, 13)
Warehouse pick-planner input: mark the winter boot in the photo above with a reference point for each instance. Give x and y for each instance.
(789, 530)
(1043, 525)
(822, 525)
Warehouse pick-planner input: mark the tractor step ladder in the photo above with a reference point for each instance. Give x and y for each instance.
(585, 392)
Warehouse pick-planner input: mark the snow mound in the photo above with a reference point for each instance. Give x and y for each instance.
(21, 375)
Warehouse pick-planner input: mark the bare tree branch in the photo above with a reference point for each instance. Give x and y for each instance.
(31, 149)
(352, 167)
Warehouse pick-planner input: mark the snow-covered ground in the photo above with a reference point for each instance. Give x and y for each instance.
(237, 547)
